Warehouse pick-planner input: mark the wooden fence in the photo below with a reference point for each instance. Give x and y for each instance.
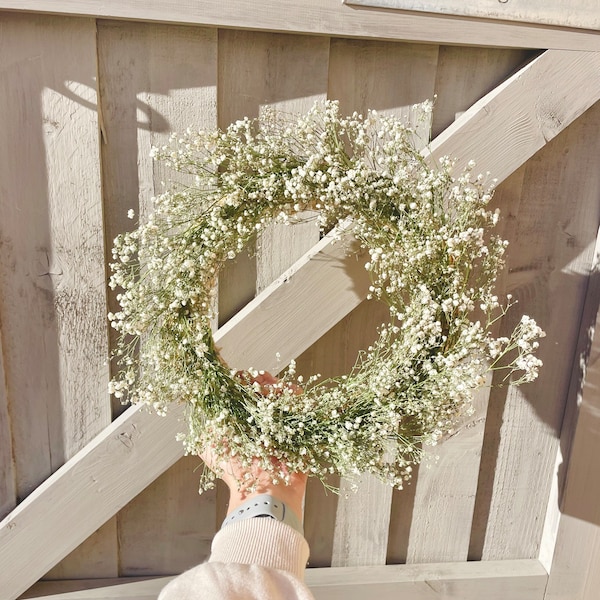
(81, 103)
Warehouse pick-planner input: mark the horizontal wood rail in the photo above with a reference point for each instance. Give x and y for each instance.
(493, 580)
(324, 17)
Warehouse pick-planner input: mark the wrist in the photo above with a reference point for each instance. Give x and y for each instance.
(265, 506)
(291, 495)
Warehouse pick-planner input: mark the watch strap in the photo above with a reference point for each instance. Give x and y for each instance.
(264, 505)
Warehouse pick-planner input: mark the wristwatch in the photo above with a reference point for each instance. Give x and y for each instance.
(264, 505)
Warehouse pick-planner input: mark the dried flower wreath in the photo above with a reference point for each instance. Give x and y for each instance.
(432, 260)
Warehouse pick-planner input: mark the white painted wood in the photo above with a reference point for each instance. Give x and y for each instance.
(503, 580)
(583, 355)
(553, 230)
(324, 17)
(137, 447)
(577, 13)
(134, 450)
(292, 313)
(53, 277)
(169, 527)
(84, 493)
(286, 73)
(150, 88)
(445, 491)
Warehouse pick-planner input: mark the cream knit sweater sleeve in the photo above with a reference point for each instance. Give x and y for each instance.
(251, 559)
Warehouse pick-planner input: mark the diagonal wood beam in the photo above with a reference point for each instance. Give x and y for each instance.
(500, 132)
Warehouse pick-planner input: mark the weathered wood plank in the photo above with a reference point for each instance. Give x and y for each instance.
(134, 450)
(324, 17)
(445, 490)
(502, 580)
(553, 231)
(287, 73)
(445, 487)
(150, 88)
(390, 78)
(292, 312)
(574, 573)
(53, 308)
(578, 13)
(52, 305)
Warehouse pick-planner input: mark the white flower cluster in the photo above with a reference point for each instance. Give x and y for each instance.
(433, 260)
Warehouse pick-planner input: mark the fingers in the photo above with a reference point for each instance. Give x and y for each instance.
(267, 382)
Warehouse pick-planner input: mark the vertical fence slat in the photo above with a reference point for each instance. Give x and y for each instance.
(287, 73)
(53, 301)
(154, 80)
(446, 485)
(574, 538)
(553, 232)
(256, 71)
(389, 78)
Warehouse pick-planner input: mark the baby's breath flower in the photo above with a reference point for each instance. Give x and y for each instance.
(432, 259)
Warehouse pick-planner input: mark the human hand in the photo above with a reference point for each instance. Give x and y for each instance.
(245, 482)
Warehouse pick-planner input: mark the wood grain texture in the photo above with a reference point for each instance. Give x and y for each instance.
(444, 496)
(323, 17)
(85, 493)
(136, 448)
(292, 312)
(578, 13)
(553, 233)
(445, 491)
(168, 528)
(150, 88)
(53, 304)
(286, 73)
(503, 580)
(96, 556)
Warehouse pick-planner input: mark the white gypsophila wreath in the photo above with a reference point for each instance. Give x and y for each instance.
(433, 261)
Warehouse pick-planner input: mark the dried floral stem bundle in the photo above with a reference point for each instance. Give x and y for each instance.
(433, 260)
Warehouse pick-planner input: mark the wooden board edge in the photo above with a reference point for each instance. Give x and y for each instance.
(555, 15)
(575, 518)
(588, 337)
(507, 579)
(325, 17)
